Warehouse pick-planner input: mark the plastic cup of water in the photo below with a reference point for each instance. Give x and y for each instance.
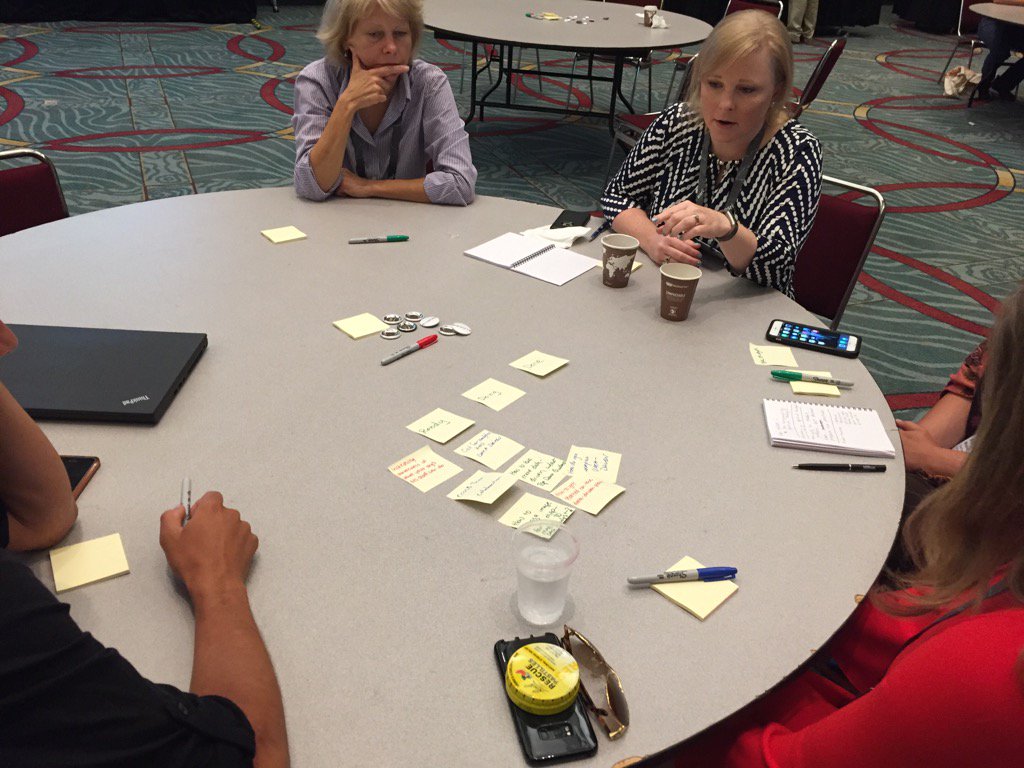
(544, 555)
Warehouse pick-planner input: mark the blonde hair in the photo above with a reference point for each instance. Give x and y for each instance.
(737, 36)
(962, 533)
(340, 17)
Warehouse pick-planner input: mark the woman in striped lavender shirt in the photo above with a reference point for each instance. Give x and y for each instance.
(371, 121)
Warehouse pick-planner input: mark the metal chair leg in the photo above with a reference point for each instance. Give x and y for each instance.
(945, 69)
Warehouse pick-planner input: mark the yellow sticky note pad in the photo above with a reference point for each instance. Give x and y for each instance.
(588, 493)
(283, 234)
(530, 507)
(483, 487)
(538, 469)
(424, 469)
(603, 465)
(813, 388)
(362, 325)
(772, 354)
(494, 394)
(698, 597)
(490, 449)
(441, 425)
(88, 561)
(539, 363)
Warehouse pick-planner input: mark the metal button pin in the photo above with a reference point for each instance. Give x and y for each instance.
(390, 333)
(413, 317)
(446, 330)
(430, 322)
(462, 329)
(392, 319)
(406, 327)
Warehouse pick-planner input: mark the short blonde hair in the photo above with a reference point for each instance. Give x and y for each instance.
(341, 16)
(737, 36)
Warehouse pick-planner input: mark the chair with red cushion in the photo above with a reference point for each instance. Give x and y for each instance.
(822, 70)
(30, 194)
(841, 238)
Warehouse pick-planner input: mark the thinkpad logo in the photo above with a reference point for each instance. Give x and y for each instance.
(135, 400)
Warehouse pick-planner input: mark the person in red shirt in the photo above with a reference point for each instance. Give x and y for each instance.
(931, 674)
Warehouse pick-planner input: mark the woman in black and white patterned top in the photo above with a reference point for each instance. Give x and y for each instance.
(762, 169)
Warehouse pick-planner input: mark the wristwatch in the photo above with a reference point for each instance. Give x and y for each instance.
(734, 226)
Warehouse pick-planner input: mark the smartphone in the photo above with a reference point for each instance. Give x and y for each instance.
(80, 470)
(810, 337)
(569, 218)
(547, 739)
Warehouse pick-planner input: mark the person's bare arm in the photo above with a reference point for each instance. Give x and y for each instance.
(411, 190)
(660, 248)
(212, 555)
(946, 422)
(33, 483)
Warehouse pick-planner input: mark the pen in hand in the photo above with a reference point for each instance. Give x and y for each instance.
(186, 498)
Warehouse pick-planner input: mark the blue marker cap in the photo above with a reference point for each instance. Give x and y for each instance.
(716, 574)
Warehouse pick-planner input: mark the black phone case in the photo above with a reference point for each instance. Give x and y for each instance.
(802, 345)
(569, 218)
(548, 739)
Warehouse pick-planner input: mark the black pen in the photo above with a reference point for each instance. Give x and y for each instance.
(599, 230)
(843, 467)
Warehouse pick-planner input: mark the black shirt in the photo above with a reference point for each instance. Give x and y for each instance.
(65, 700)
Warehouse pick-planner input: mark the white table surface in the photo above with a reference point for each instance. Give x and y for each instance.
(1008, 13)
(366, 589)
(507, 22)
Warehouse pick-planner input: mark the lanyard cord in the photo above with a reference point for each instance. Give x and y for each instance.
(704, 186)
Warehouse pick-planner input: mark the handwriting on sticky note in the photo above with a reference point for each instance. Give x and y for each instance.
(283, 234)
(362, 325)
(483, 487)
(490, 449)
(588, 493)
(698, 597)
(87, 562)
(494, 394)
(603, 465)
(814, 388)
(538, 469)
(424, 469)
(771, 354)
(441, 425)
(530, 507)
(539, 363)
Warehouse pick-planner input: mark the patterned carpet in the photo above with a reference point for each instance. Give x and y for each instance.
(133, 112)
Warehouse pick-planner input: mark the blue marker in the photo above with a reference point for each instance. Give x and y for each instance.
(599, 230)
(696, 574)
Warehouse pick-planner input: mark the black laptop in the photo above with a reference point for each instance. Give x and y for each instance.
(98, 374)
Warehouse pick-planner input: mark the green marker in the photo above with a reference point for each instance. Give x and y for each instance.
(798, 376)
(381, 239)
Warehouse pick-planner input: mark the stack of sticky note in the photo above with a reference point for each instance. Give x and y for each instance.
(89, 561)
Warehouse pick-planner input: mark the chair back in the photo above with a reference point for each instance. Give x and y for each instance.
(29, 194)
(831, 260)
(820, 74)
(771, 6)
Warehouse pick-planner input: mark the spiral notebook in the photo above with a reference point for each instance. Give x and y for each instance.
(831, 428)
(534, 257)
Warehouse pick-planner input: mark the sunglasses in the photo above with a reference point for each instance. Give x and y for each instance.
(614, 714)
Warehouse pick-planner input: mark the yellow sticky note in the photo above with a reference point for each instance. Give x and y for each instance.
(490, 449)
(636, 265)
(603, 465)
(813, 388)
(424, 469)
(441, 425)
(88, 561)
(698, 597)
(283, 234)
(539, 363)
(538, 469)
(772, 354)
(494, 394)
(362, 325)
(530, 507)
(588, 493)
(483, 487)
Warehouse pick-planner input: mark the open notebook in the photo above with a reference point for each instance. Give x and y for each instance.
(831, 428)
(534, 257)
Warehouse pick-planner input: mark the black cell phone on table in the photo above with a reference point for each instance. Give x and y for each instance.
(811, 337)
(80, 470)
(569, 218)
(547, 739)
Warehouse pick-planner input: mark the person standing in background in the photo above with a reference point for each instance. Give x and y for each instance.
(803, 18)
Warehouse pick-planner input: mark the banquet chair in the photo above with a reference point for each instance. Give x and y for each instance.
(966, 27)
(819, 75)
(830, 263)
(733, 6)
(30, 194)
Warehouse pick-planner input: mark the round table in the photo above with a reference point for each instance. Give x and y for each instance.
(1008, 13)
(615, 31)
(381, 604)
